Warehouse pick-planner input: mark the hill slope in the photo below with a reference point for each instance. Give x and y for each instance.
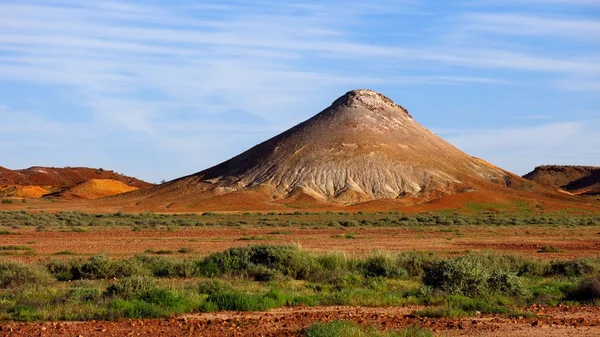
(362, 148)
(581, 180)
(62, 177)
(34, 182)
(96, 188)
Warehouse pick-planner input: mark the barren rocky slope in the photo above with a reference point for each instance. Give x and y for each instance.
(581, 180)
(96, 188)
(62, 177)
(36, 181)
(363, 147)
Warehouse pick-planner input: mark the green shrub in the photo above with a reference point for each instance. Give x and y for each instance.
(16, 274)
(100, 267)
(572, 268)
(134, 309)
(131, 287)
(165, 298)
(382, 266)
(24, 313)
(261, 273)
(287, 260)
(588, 290)
(63, 270)
(468, 276)
(505, 282)
(415, 263)
(211, 287)
(80, 294)
(457, 276)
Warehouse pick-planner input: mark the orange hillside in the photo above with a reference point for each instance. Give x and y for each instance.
(23, 191)
(97, 188)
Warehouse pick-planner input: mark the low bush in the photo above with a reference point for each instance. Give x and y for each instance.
(131, 287)
(160, 266)
(211, 287)
(588, 290)
(287, 260)
(16, 274)
(573, 268)
(415, 263)
(470, 277)
(382, 266)
(83, 293)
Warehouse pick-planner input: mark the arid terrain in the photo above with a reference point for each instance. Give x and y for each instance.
(444, 240)
(358, 214)
(66, 236)
(561, 321)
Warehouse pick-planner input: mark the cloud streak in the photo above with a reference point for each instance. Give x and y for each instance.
(166, 75)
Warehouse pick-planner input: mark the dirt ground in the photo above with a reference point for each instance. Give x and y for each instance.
(559, 321)
(521, 240)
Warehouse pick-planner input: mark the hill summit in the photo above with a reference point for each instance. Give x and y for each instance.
(362, 147)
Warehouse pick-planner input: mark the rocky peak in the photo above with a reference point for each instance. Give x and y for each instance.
(370, 99)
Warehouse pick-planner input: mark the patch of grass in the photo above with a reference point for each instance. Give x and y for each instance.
(4, 232)
(7, 201)
(24, 313)
(159, 251)
(252, 238)
(7, 248)
(548, 249)
(131, 287)
(349, 236)
(349, 329)
(64, 252)
(185, 250)
(237, 301)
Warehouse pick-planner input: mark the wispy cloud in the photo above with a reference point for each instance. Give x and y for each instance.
(168, 74)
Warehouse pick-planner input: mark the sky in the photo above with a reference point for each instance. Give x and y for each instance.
(160, 89)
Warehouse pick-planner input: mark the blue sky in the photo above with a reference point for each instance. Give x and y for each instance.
(160, 89)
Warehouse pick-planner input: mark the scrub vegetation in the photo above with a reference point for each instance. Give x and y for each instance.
(261, 277)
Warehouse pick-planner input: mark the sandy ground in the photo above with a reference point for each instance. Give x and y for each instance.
(559, 321)
(521, 240)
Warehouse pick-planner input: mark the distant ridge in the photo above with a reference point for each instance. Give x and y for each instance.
(579, 180)
(55, 177)
(38, 181)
